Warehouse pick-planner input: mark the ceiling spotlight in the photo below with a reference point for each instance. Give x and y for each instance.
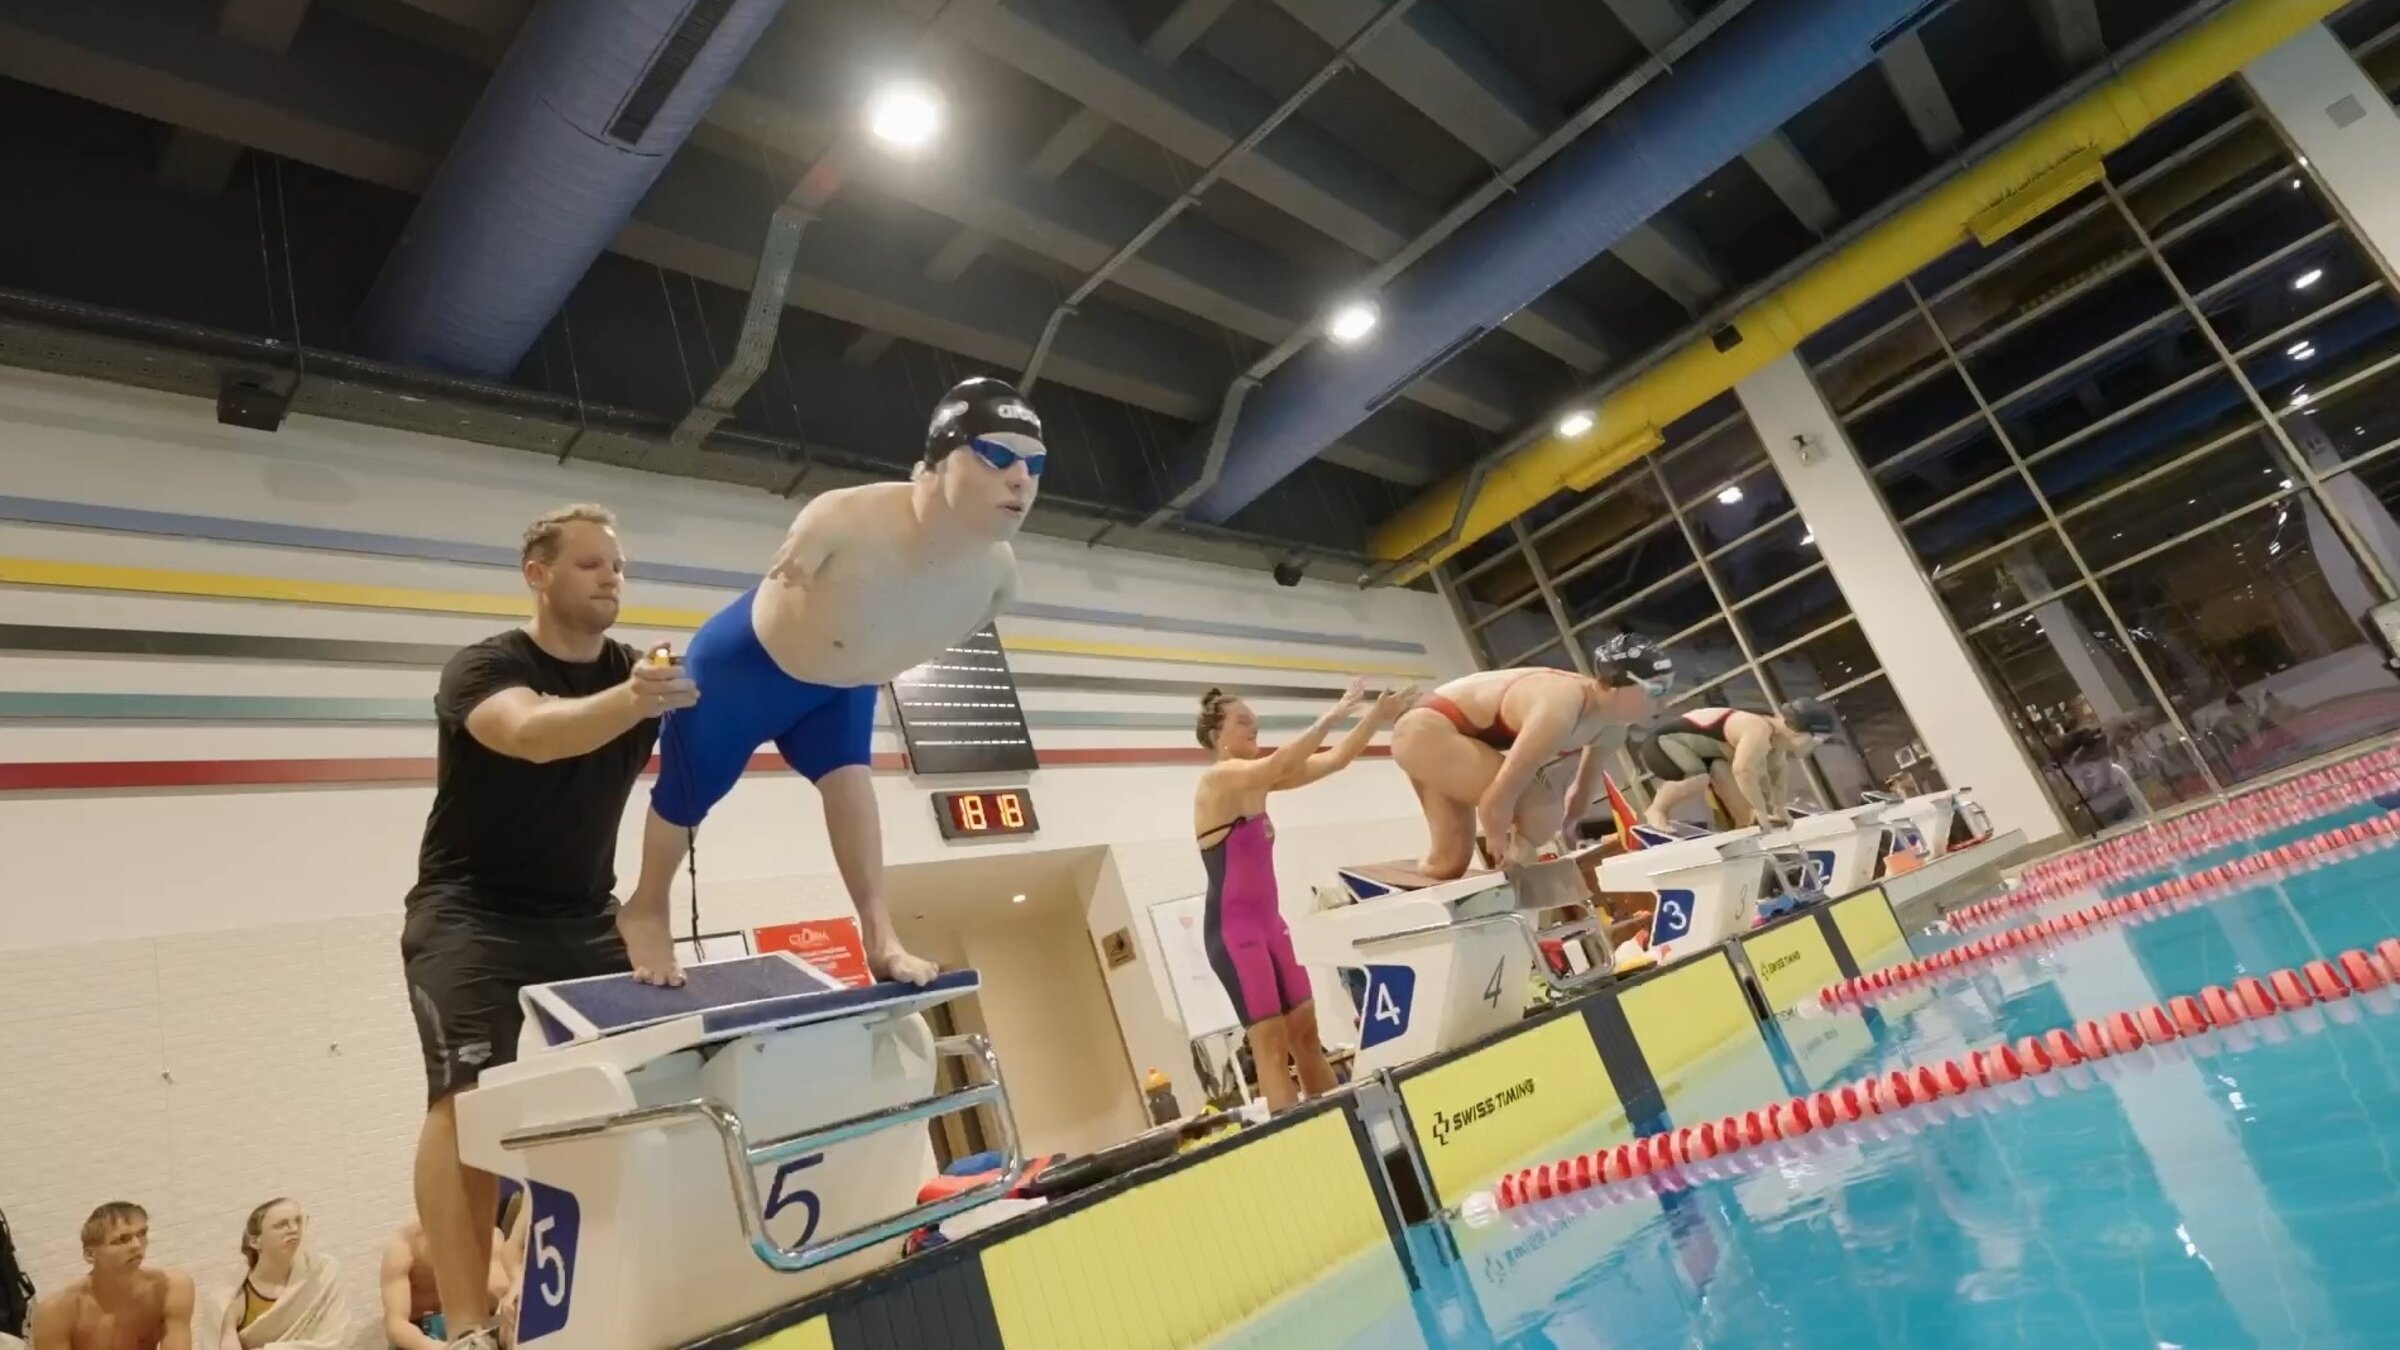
(905, 115)
(1731, 496)
(1016, 899)
(1808, 538)
(2308, 278)
(1575, 424)
(2301, 350)
(1351, 321)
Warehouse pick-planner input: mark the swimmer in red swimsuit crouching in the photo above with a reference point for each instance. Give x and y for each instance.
(1486, 752)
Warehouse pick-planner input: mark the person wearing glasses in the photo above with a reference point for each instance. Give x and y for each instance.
(869, 582)
(1487, 752)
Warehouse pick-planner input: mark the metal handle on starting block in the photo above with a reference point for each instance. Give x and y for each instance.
(742, 1156)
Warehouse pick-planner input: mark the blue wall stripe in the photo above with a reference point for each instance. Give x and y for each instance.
(224, 530)
(80, 707)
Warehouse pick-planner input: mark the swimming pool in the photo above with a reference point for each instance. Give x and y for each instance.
(2231, 1189)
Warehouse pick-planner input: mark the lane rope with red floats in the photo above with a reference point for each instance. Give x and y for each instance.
(1981, 1080)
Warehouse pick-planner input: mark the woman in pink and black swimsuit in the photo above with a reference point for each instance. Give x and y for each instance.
(1248, 945)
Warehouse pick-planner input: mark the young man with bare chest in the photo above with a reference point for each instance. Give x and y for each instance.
(120, 1305)
(869, 582)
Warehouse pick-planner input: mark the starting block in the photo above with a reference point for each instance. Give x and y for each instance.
(699, 1156)
(1447, 962)
(1708, 887)
(1925, 823)
(1842, 848)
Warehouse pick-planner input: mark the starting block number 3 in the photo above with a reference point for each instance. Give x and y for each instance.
(549, 1262)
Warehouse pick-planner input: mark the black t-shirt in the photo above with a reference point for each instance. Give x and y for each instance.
(510, 836)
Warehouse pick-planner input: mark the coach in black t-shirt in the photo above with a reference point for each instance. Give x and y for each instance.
(543, 731)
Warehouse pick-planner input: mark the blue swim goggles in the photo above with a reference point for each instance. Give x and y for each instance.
(1001, 457)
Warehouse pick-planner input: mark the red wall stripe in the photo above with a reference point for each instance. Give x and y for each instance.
(112, 774)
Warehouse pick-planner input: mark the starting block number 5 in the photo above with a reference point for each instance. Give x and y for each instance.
(549, 1262)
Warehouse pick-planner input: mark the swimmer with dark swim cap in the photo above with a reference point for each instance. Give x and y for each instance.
(1741, 754)
(1488, 752)
(869, 582)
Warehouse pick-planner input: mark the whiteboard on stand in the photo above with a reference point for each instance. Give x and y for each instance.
(1200, 997)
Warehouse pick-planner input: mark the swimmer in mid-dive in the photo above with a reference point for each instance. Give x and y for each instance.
(1249, 946)
(1486, 751)
(1741, 754)
(869, 582)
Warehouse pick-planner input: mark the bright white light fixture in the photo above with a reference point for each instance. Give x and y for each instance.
(2303, 349)
(1575, 424)
(2308, 278)
(905, 115)
(1351, 321)
(1808, 538)
(1016, 899)
(1731, 496)
(2299, 398)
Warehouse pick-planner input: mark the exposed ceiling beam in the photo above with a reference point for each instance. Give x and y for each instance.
(1908, 68)
(1443, 70)
(1654, 24)
(1197, 109)
(382, 121)
(204, 164)
(2071, 29)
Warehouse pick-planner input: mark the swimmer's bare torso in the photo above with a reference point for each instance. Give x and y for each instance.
(855, 595)
(1500, 701)
(137, 1321)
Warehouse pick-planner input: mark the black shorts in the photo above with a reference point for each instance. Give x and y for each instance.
(464, 967)
(1654, 758)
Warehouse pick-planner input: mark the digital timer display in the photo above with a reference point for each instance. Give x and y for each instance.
(984, 813)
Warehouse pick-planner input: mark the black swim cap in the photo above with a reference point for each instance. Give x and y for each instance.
(1812, 717)
(982, 406)
(1630, 659)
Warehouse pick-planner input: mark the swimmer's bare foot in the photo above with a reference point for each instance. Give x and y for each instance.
(892, 962)
(650, 946)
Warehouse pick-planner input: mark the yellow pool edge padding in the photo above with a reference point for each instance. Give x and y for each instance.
(80, 576)
(1870, 928)
(1687, 1013)
(1791, 961)
(813, 1334)
(1488, 1109)
(2096, 124)
(1264, 1219)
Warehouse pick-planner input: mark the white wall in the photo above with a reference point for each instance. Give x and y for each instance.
(204, 983)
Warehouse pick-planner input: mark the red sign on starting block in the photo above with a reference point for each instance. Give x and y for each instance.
(831, 945)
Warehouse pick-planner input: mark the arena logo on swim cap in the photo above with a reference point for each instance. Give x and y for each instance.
(1013, 411)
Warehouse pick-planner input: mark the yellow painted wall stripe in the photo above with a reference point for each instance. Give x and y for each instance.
(1683, 1016)
(353, 595)
(1182, 1259)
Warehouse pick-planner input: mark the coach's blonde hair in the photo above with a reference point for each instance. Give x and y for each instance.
(541, 537)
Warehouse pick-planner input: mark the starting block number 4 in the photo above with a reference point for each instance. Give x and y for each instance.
(1391, 995)
(549, 1262)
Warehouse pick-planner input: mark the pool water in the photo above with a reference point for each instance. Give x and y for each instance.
(2240, 1188)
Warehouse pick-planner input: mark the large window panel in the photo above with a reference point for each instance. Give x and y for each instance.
(2025, 569)
(2220, 482)
(2068, 328)
(1705, 656)
(2252, 630)
(1518, 631)
(2148, 362)
(1910, 417)
(1826, 661)
(2265, 302)
(1718, 456)
(2171, 428)
(1777, 554)
(1609, 521)
(1670, 609)
(2081, 708)
(2303, 372)
(1877, 749)
(2369, 498)
(1783, 615)
(2092, 238)
(1554, 656)
(2207, 177)
(1483, 550)
(1741, 691)
(1646, 562)
(1880, 363)
(1507, 582)
(2273, 216)
(1962, 529)
(1736, 509)
(1942, 470)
